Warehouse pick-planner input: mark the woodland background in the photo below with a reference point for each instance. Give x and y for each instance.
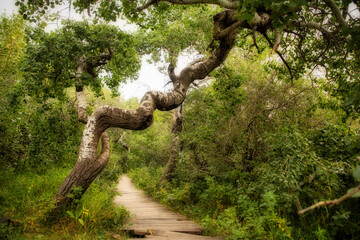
(257, 144)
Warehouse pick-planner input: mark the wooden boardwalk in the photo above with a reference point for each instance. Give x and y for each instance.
(150, 219)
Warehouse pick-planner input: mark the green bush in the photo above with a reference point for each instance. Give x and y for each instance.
(36, 136)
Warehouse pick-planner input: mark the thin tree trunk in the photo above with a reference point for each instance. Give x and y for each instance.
(122, 142)
(176, 128)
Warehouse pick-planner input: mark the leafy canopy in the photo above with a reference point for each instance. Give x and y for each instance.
(314, 38)
(51, 59)
(176, 30)
(11, 51)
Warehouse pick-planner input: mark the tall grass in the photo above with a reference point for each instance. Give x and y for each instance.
(26, 197)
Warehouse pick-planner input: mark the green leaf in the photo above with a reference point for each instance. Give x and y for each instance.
(292, 4)
(70, 213)
(247, 16)
(356, 195)
(356, 173)
(81, 221)
(78, 213)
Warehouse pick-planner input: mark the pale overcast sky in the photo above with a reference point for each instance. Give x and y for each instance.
(149, 76)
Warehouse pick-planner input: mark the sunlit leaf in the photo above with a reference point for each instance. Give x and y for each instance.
(356, 173)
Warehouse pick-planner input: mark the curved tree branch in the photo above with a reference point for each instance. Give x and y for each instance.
(277, 40)
(146, 5)
(90, 171)
(337, 12)
(331, 202)
(280, 55)
(171, 72)
(229, 4)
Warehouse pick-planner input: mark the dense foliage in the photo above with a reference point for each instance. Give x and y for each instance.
(251, 159)
(51, 59)
(38, 145)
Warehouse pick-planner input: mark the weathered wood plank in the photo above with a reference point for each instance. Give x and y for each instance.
(153, 220)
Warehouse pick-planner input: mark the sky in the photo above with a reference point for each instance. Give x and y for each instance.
(149, 76)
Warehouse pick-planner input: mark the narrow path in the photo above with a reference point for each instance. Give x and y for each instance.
(153, 220)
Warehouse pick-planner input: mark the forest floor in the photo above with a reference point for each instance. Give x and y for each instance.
(150, 219)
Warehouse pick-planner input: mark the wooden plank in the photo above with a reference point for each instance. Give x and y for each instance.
(153, 220)
(161, 234)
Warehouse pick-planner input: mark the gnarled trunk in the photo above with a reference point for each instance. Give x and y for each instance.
(89, 164)
(82, 174)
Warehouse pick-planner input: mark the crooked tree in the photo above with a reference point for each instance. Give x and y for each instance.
(141, 118)
(306, 36)
(79, 55)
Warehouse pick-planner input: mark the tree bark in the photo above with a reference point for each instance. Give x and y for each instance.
(89, 164)
(176, 128)
(85, 172)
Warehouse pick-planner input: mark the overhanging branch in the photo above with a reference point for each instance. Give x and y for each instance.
(331, 202)
(171, 72)
(222, 3)
(277, 40)
(316, 26)
(146, 5)
(280, 55)
(335, 9)
(229, 4)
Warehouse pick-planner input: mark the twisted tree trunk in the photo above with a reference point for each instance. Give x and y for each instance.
(89, 172)
(89, 163)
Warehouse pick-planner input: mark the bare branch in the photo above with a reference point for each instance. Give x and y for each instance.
(316, 26)
(70, 3)
(280, 55)
(122, 141)
(254, 38)
(229, 29)
(80, 96)
(331, 202)
(335, 9)
(229, 4)
(171, 73)
(146, 5)
(277, 40)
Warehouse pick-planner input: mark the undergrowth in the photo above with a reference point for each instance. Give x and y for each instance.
(27, 197)
(250, 160)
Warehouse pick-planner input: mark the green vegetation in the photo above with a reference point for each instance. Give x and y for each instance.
(271, 131)
(38, 156)
(39, 143)
(252, 158)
